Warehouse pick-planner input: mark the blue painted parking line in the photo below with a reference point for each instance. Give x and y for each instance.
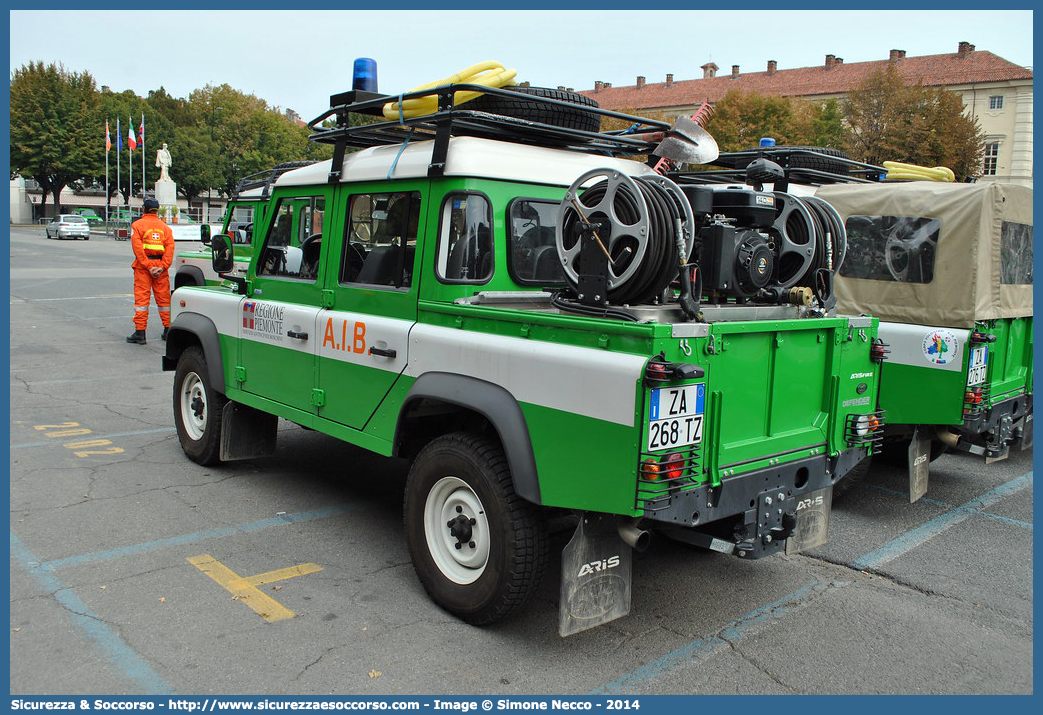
(734, 631)
(935, 502)
(121, 655)
(141, 548)
(924, 533)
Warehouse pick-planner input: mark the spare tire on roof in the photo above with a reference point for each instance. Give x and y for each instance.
(521, 107)
(818, 161)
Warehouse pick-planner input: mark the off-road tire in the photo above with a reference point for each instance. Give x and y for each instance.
(820, 161)
(534, 111)
(197, 409)
(466, 475)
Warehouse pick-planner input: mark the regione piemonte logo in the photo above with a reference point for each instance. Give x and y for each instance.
(248, 314)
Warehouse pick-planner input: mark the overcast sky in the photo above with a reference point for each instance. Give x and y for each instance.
(296, 59)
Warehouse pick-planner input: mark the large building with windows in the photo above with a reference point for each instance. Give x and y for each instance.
(996, 92)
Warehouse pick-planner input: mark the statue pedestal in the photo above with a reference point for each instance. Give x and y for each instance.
(166, 195)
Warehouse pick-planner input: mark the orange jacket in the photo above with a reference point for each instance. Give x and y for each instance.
(152, 242)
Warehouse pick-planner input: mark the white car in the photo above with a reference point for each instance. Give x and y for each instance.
(69, 226)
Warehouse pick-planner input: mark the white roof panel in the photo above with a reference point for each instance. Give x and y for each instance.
(467, 156)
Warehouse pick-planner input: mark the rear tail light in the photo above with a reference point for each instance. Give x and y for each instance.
(673, 465)
(659, 371)
(650, 470)
(978, 337)
(864, 429)
(879, 351)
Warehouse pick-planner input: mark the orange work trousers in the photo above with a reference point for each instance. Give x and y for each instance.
(144, 284)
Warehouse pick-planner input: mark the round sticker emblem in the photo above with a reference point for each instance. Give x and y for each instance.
(941, 347)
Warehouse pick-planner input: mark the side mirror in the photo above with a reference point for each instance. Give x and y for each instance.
(223, 260)
(204, 233)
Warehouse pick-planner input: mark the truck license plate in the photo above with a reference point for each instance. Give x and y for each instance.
(979, 363)
(675, 417)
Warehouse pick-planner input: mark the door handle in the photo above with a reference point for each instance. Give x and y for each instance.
(382, 352)
(295, 334)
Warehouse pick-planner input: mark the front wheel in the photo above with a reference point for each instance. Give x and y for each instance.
(197, 409)
(477, 547)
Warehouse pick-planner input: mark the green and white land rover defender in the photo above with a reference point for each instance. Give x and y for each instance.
(245, 208)
(541, 327)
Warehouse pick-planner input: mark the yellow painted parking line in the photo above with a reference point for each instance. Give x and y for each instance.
(244, 588)
(282, 574)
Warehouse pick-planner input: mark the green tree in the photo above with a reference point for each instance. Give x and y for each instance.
(57, 135)
(891, 120)
(741, 118)
(819, 124)
(195, 165)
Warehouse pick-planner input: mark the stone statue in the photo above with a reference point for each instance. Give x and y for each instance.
(163, 162)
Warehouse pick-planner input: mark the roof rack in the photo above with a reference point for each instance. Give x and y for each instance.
(265, 179)
(450, 120)
(848, 170)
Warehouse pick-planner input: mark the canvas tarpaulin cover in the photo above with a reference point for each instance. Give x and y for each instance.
(931, 253)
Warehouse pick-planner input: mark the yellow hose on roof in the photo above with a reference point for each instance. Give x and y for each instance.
(898, 170)
(487, 74)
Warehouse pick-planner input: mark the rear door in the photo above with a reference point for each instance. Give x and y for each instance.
(362, 341)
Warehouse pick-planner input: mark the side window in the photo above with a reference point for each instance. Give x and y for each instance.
(293, 247)
(380, 245)
(1016, 253)
(465, 240)
(891, 248)
(532, 258)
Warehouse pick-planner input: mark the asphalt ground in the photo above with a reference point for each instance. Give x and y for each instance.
(136, 571)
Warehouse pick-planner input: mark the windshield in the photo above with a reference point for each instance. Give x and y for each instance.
(74, 219)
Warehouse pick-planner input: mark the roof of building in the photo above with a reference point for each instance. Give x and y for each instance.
(832, 77)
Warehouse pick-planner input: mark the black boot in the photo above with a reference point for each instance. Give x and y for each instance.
(164, 335)
(138, 336)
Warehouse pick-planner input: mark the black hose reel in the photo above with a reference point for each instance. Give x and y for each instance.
(623, 240)
(638, 231)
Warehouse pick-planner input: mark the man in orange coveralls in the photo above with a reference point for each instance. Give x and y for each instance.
(153, 244)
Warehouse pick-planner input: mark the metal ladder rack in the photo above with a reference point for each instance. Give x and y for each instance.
(451, 120)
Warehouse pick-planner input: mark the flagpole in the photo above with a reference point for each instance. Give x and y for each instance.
(119, 159)
(130, 159)
(141, 141)
(107, 148)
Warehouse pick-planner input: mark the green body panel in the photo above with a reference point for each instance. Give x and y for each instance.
(549, 327)
(1010, 357)
(780, 388)
(583, 463)
(351, 393)
(928, 396)
(272, 370)
(922, 395)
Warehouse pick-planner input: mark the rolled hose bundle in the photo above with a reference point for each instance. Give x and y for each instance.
(658, 262)
(898, 170)
(487, 74)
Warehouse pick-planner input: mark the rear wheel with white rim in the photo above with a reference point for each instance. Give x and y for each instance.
(477, 547)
